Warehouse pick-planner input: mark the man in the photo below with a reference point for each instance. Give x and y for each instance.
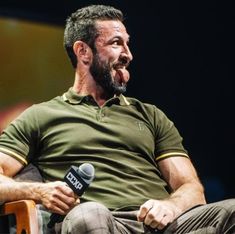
(144, 181)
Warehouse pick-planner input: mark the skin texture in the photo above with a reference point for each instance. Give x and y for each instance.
(187, 192)
(111, 58)
(112, 48)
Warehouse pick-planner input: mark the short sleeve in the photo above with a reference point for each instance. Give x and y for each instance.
(168, 141)
(19, 139)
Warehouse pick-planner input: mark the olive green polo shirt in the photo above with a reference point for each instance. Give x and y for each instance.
(123, 140)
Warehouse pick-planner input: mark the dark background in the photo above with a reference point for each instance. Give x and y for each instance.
(183, 63)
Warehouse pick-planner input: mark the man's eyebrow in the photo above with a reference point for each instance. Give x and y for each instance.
(119, 38)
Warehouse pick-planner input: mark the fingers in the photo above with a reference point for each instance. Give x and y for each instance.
(156, 214)
(58, 197)
(158, 221)
(163, 223)
(144, 209)
(57, 206)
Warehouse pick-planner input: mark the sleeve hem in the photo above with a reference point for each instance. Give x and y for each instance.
(171, 154)
(17, 156)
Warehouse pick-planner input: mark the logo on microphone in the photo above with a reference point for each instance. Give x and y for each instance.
(78, 179)
(74, 181)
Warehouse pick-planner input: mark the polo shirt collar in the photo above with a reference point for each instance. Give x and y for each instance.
(74, 98)
(123, 100)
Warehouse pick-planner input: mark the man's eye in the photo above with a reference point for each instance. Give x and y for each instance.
(115, 43)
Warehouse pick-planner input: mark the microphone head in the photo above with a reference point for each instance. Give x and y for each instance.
(86, 171)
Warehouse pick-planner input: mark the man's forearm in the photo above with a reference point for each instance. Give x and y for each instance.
(187, 196)
(10, 190)
(55, 196)
(181, 176)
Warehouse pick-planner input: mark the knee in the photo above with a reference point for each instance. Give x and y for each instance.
(229, 205)
(229, 221)
(231, 209)
(86, 217)
(87, 211)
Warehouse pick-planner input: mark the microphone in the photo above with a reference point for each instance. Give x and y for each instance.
(78, 179)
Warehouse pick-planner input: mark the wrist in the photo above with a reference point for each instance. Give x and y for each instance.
(35, 191)
(28, 191)
(175, 207)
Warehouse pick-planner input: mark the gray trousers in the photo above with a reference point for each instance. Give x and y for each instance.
(94, 218)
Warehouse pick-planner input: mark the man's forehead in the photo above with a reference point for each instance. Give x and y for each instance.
(110, 26)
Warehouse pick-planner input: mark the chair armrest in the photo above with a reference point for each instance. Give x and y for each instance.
(26, 215)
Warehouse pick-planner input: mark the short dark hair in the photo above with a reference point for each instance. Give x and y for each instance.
(81, 26)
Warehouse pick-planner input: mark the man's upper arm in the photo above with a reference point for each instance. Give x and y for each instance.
(9, 166)
(178, 171)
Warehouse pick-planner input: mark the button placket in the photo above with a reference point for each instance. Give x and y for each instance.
(100, 114)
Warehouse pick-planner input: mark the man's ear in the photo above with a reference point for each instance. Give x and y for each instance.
(83, 52)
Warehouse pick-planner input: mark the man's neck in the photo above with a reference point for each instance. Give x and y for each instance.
(87, 86)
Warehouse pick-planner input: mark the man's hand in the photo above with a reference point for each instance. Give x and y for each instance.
(57, 197)
(157, 213)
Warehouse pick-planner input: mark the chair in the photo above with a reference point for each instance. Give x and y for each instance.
(25, 213)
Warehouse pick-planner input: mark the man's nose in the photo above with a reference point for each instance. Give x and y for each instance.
(129, 54)
(126, 55)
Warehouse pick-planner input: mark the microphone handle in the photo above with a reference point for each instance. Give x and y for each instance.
(77, 183)
(55, 218)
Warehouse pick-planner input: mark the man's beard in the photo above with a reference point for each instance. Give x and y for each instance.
(101, 72)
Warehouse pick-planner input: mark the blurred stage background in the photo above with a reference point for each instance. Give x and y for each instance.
(183, 63)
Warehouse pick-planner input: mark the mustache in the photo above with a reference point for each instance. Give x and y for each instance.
(122, 61)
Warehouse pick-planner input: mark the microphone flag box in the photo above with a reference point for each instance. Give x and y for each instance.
(74, 180)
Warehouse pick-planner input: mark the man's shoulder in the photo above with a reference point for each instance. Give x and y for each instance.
(146, 107)
(137, 102)
(52, 103)
(43, 109)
